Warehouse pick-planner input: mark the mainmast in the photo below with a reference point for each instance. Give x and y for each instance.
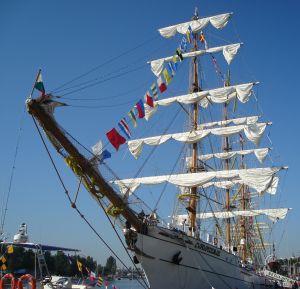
(195, 87)
(243, 207)
(227, 148)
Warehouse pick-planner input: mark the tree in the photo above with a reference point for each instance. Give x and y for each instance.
(111, 266)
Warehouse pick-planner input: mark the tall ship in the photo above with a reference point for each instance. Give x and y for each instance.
(210, 230)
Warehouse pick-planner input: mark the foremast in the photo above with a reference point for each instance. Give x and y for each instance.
(85, 169)
(195, 87)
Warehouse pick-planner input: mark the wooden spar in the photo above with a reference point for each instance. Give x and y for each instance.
(243, 219)
(226, 148)
(193, 199)
(50, 125)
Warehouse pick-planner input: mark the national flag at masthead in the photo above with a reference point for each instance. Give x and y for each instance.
(39, 85)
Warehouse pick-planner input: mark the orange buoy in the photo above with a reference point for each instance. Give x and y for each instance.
(28, 278)
(13, 281)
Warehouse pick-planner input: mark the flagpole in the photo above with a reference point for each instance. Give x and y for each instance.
(39, 72)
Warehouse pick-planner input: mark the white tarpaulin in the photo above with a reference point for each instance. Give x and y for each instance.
(218, 21)
(259, 179)
(229, 52)
(272, 214)
(253, 132)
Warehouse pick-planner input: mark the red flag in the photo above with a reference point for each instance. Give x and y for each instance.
(115, 138)
(141, 109)
(161, 85)
(149, 99)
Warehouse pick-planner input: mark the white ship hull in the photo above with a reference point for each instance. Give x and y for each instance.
(203, 266)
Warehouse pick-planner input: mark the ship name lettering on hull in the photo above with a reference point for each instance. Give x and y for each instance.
(208, 249)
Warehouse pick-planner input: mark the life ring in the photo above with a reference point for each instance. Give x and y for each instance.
(13, 281)
(29, 278)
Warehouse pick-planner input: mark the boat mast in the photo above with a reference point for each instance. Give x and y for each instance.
(243, 206)
(227, 148)
(195, 87)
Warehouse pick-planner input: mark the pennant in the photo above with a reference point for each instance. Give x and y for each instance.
(3, 267)
(100, 281)
(153, 89)
(183, 44)
(161, 85)
(141, 109)
(124, 127)
(115, 138)
(3, 259)
(179, 54)
(201, 37)
(132, 116)
(104, 155)
(174, 58)
(92, 277)
(172, 67)
(10, 249)
(149, 99)
(79, 266)
(202, 40)
(97, 148)
(167, 76)
(189, 34)
(39, 85)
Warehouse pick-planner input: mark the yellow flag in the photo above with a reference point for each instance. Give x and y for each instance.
(3, 259)
(79, 265)
(167, 76)
(10, 249)
(3, 267)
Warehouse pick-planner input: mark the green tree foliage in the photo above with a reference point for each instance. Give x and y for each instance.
(111, 266)
(58, 264)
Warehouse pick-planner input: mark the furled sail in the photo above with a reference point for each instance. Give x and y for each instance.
(229, 184)
(218, 21)
(253, 132)
(229, 52)
(219, 95)
(236, 121)
(259, 153)
(272, 214)
(259, 178)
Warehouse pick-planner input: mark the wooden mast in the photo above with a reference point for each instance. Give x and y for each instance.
(243, 219)
(52, 129)
(227, 148)
(192, 208)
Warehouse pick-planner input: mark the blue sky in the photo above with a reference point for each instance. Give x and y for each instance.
(69, 38)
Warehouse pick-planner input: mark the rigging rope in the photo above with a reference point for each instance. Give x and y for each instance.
(105, 63)
(7, 195)
(103, 80)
